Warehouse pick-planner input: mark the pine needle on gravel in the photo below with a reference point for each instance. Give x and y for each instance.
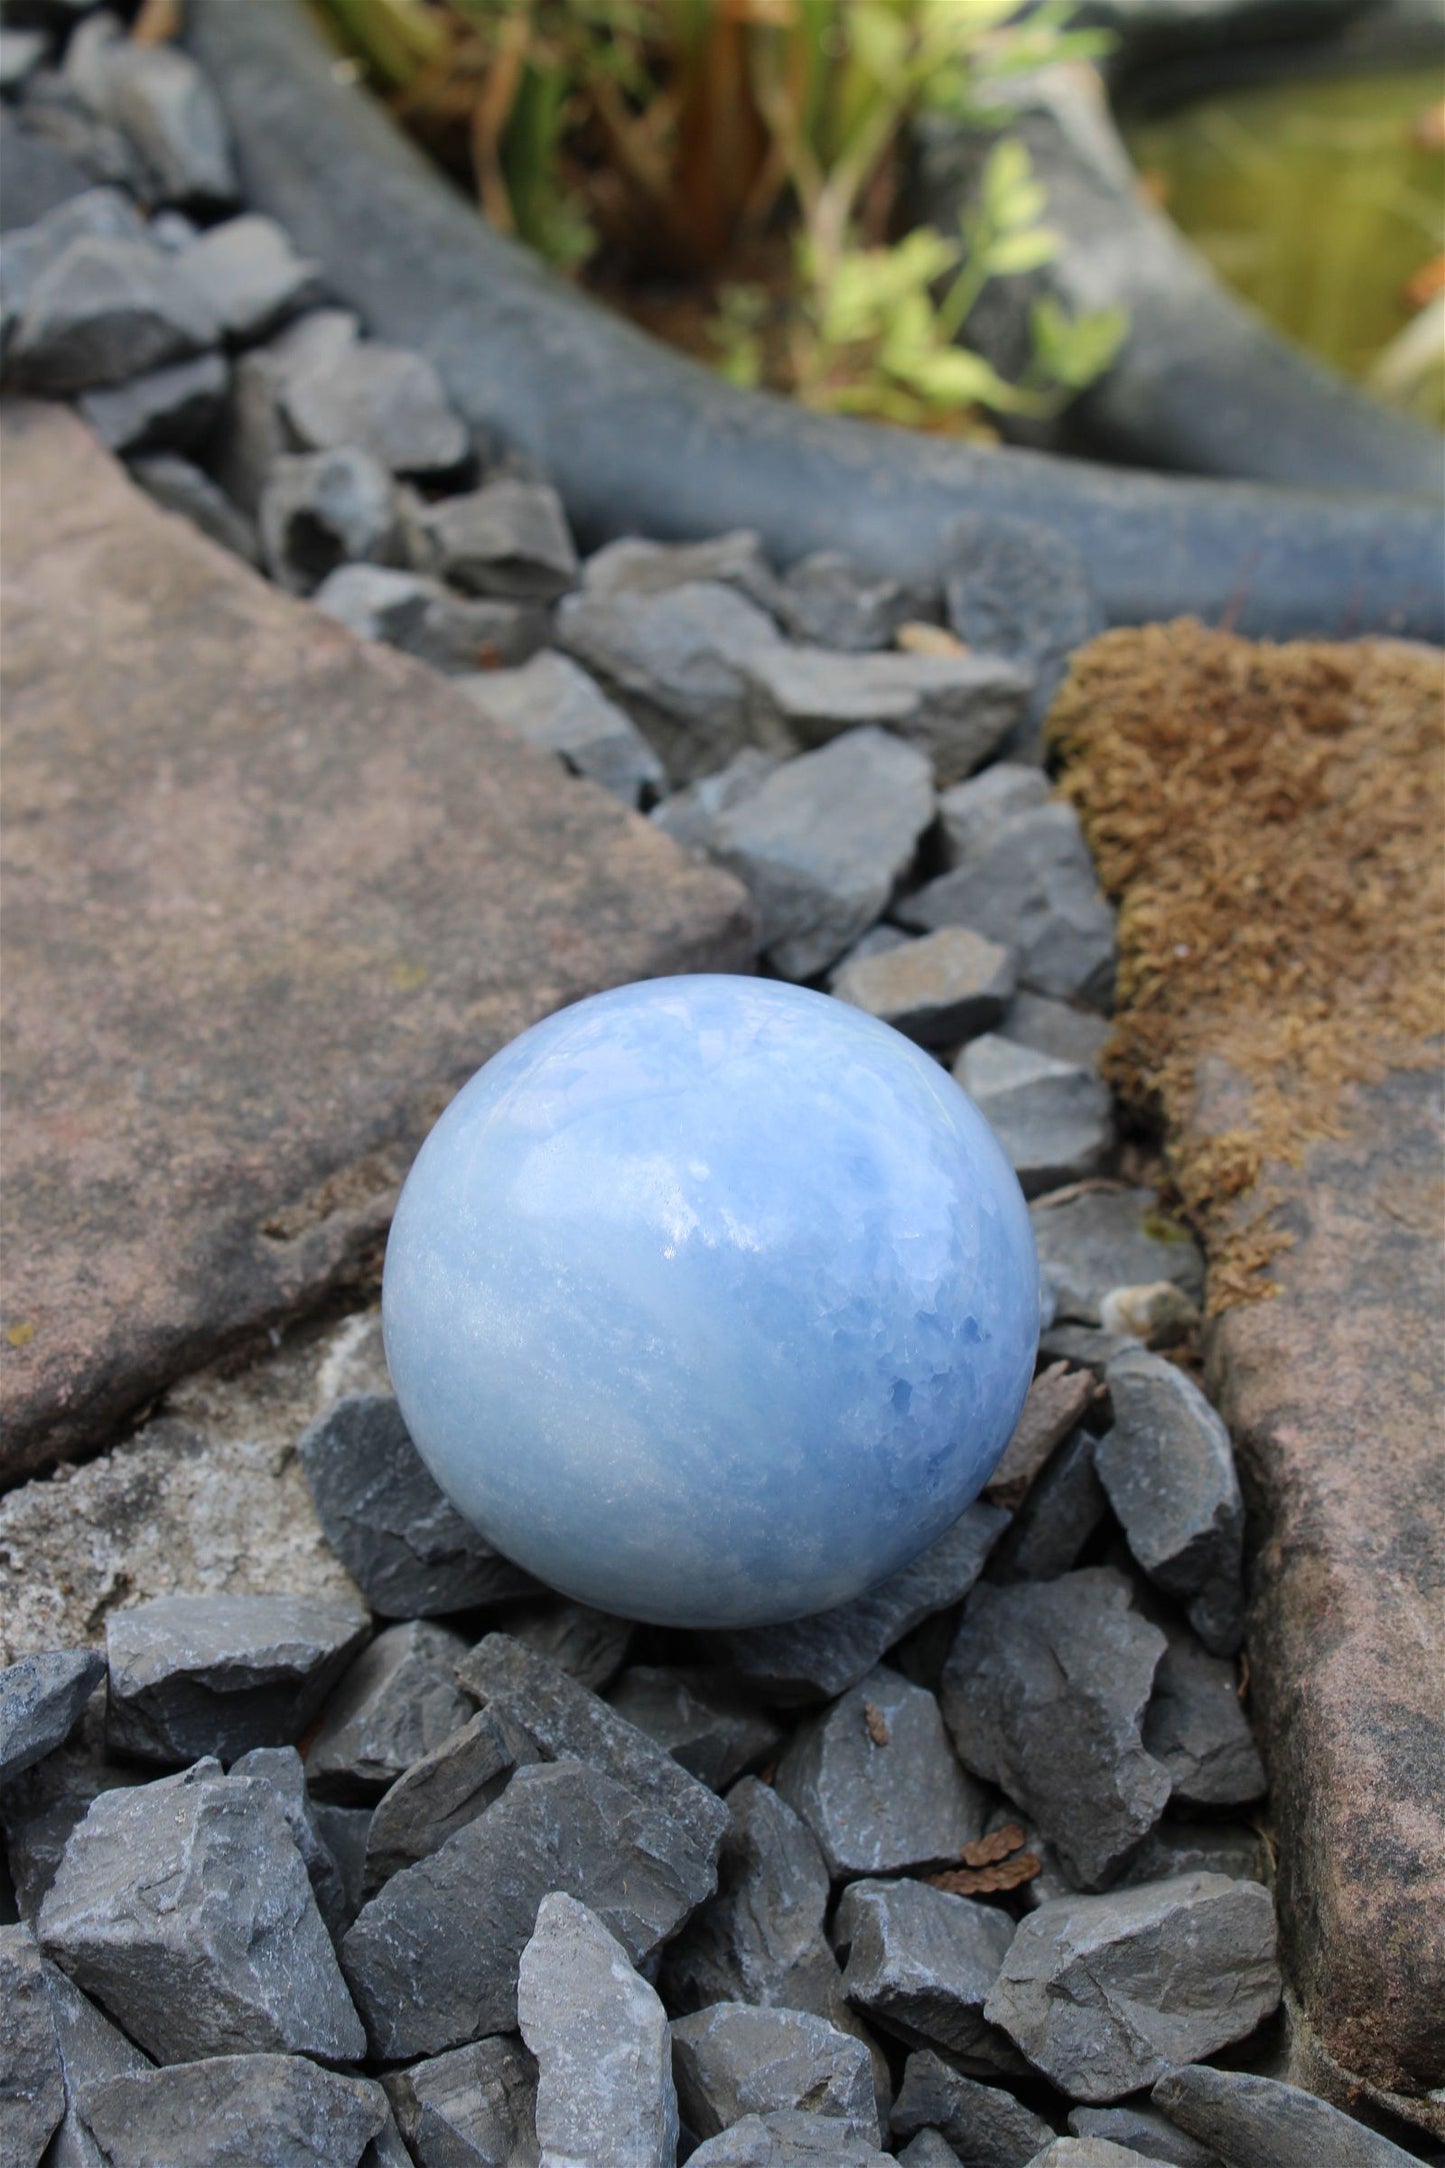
(1270, 821)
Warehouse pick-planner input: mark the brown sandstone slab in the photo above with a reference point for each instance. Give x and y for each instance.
(1335, 1392)
(270, 895)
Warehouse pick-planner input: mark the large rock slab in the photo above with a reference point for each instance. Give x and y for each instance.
(272, 893)
(1333, 1392)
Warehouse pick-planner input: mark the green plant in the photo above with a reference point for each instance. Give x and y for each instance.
(662, 134)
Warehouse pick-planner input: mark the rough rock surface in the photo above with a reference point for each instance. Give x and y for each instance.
(32, 2082)
(715, 1734)
(247, 785)
(41, 1699)
(535, 1697)
(986, 2126)
(921, 1962)
(174, 406)
(380, 400)
(1056, 1027)
(319, 510)
(106, 309)
(1053, 1118)
(509, 538)
(280, 1767)
(398, 1701)
(825, 598)
(407, 1548)
(251, 276)
(876, 1782)
(971, 812)
(178, 485)
(1057, 1402)
(436, 1795)
(1168, 1468)
(1143, 2130)
(953, 708)
(1104, 1994)
(1013, 587)
(590, 1646)
(788, 2138)
(236, 2111)
(600, 2036)
(91, 2048)
(948, 986)
(195, 1675)
(735, 2059)
(433, 1959)
(1033, 887)
(1339, 1456)
(811, 1659)
(474, 2107)
(822, 843)
(634, 565)
(1242, 2118)
(467, 636)
(1108, 1238)
(556, 706)
(1195, 1727)
(1044, 1692)
(184, 1907)
(1065, 1504)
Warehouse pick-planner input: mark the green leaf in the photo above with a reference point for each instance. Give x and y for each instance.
(1026, 251)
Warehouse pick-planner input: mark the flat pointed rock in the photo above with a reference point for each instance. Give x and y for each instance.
(437, 1795)
(985, 2125)
(32, 2079)
(236, 2111)
(41, 1699)
(474, 2107)
(600, 2037)
(788, 2138)
(1243, 2119)
(398, 1702)
(732, 2060)
(922, 1962)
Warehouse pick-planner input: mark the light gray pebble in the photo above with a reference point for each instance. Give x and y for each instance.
(280, 1767)
(468, 638)
(1142, 2130)
(508, 538)
(26, 251)
(322, 509)
(158, 97)
(590, 1646)
(1064, 1506)
(633, 566)
(690, 814)
(556, 706)
(104, 310)
(1057, 1028)
(236, 2111)
(1107, 1238)
(605, 2092)
(954, 708)
(382, 400)
(832, 602)
(970, 813)
(788, 2138)
(1015, 587)
(32, 2083)
(173, 407)
(251, 276)
(940, 989)
(1054, 1119)
(91, 2048)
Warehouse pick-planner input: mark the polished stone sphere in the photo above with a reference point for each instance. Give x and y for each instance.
(711, 1301)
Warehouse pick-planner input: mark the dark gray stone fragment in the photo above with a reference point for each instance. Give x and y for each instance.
(101, 213)
(633, 566)
(760, 1939)
(178, 486)
(509, 538)
(437, 1796)
(322, 509)
(21, 52)
(41, 1702)
(175, 406)
(928, 2149)
(280, 1767)
(1108, 1238)
(1104, 1994)
(467, 637)
(433, 1959)
(812, 1659)
(788, 2138)
(828, 600)
(713, 1733)
(556, 706)
(398, 1701)
(1013, 587)
(474, 2107)
(876, 1782)
(382, 400)
(1057, 1028)
(954, 708)
(824, 841)
(1168, 1467)
(42, 1806)
(536, 1697)
(106, 309)
(1054, 1119)
(688, 816)
(344, 1832)
(971, 813)
(590, 1646)
(91, 2048)
(1174, 1848)
(32, 2085)
(251, 276)
(605, 2093)
(735, 2059)
(255, 434)
(1143, 2130)
(1032, 887)
(236, 2111)
(920, 1962)
(37, 175)
(185, 1909)
(1246, 2120)
(1044, 1693)
(945, 987)
(193, 1675)
(404, 1544)
(986, 2126)
(1057, 1401)
(1064, 1506)
(158, 97)
(1195, 1726)
(387, 2149)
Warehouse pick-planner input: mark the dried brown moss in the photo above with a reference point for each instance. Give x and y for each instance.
(1270, 821)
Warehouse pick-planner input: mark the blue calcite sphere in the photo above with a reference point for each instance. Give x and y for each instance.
(711, 1301)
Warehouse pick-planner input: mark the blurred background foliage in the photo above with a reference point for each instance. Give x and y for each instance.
(732, 173)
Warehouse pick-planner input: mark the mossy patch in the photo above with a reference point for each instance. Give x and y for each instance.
(1270, 821)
